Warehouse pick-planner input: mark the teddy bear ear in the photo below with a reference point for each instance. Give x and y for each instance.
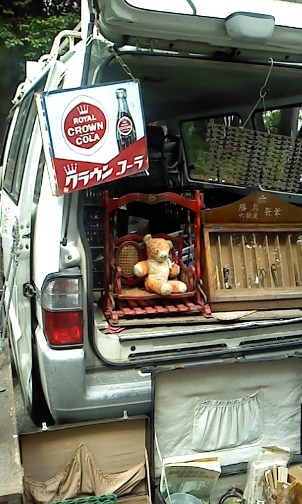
(146, 238)
(170, 244)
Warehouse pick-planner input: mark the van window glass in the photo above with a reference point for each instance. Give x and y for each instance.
(19, 146)
(266, 154)
(218, 9)
(4, 139)
(39, 176)
(286, 121)
(279, 148)
(22, 154)
(16, 142)
(202, 153)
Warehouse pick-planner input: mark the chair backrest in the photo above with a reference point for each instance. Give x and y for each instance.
(128, 251)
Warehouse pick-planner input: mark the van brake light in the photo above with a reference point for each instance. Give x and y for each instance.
(61, 300)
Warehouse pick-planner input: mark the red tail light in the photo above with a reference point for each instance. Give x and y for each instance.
(64, 328)
(61, 300)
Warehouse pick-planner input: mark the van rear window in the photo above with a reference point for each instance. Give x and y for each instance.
(267, 154)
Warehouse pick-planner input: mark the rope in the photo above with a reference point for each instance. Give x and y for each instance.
(163, 468)
(262, 93)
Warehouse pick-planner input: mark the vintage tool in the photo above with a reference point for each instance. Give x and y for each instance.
(226, 273)
(232, 496)
(297, 279)
(274, 276)
(262, 274)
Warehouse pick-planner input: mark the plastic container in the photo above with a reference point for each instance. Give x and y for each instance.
(182, 498)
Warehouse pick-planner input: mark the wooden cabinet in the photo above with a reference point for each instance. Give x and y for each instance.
(252, 253)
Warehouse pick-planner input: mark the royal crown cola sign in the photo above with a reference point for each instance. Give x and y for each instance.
(93, 135)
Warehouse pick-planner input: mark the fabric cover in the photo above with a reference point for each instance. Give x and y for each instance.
(232, 409)
(82, 476)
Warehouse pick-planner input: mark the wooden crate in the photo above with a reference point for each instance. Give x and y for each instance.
(253, 254)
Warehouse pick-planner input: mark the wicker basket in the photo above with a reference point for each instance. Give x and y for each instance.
(236, 155)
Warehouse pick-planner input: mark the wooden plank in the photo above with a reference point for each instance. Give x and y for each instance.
(245, 273)
(137, 309)
(11, 481)
(159, 309)
(279, 260)
(255, 260)
(171, 308)
(233, 262)
(292, 270)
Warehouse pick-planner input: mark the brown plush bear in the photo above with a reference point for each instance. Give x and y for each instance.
(158, 268)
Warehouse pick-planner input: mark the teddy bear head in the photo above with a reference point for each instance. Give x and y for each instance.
(158, 249)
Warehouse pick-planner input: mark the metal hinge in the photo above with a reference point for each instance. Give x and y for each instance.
(29, 290)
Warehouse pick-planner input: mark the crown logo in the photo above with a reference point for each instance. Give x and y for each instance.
(70, 169)
(83, 108)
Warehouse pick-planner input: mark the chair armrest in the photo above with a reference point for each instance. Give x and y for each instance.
(187, 275)
(118, 279)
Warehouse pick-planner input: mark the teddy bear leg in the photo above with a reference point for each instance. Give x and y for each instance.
(166, 289)
(178, 287)
(159, 287)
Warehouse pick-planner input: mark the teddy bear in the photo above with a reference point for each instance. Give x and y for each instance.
(158, 268)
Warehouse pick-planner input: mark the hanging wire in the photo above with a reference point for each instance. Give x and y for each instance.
(121, 62)
(262, 93)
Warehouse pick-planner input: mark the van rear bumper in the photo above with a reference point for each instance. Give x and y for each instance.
(74, 393)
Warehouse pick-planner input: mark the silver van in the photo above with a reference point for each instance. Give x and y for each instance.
(222, 97)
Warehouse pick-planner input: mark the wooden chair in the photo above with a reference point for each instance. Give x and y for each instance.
(125, 295)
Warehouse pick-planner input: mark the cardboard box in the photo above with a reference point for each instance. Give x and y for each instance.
(87, 459)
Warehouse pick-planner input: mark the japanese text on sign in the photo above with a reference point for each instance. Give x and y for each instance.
(254, 212)
(99, 173)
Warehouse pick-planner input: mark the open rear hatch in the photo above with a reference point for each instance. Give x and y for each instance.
(228, 35)
(265, 29)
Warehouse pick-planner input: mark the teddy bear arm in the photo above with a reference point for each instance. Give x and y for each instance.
(141, 268)
(174, 271)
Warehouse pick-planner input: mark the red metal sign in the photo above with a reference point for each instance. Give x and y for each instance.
(85, 126)
(95, 134)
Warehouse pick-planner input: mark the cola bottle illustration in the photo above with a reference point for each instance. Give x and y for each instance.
(125, 128)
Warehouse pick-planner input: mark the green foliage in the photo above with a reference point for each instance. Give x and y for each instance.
(27, 30)
(32, 25)
(272, 120)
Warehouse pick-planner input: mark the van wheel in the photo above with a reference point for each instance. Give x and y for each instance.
(38, 409)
